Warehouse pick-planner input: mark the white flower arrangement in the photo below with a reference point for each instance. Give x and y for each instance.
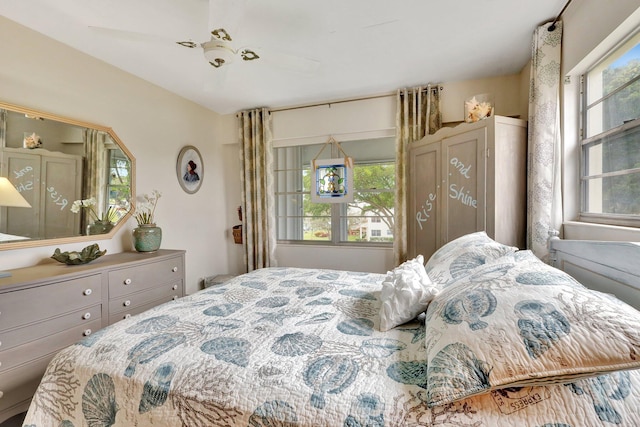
(109, 216)
(145, 211)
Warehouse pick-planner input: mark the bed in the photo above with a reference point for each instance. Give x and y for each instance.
(480, 335)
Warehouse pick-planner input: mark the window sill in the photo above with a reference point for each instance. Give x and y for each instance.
(325, 244)
(574, 230)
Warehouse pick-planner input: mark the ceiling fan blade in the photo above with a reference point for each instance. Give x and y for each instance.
(127, 35)
(226, 15)
(215, 83)
(290, 62)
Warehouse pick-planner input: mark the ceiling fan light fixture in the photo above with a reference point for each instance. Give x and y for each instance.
(218, 53)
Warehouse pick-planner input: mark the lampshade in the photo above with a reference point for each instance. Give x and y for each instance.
(11, 197)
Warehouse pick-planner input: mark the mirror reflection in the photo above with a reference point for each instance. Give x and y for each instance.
(77, 177)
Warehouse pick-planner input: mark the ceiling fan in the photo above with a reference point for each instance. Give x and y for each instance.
(219, 50)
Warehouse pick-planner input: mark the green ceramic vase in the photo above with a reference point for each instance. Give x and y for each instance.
(147, 238)
(99, 227)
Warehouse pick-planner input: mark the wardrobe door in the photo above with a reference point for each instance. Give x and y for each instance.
(22, 168)
(62, 185)
(463, 208)
(423, 199)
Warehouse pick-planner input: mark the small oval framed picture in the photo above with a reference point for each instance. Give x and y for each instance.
(190, 169)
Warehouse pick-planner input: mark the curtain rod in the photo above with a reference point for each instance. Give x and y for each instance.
(553, 24)
(435, 87)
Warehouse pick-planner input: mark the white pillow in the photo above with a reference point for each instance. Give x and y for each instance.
(406, 292)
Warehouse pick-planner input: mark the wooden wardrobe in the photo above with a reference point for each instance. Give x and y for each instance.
(468, 178)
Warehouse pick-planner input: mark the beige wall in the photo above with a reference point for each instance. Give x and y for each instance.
(370, 118)
(154, 124)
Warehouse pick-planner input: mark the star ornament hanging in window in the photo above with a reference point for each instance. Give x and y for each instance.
(333, 181)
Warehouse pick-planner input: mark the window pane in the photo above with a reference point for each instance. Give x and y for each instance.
(615, 153)
(622, 107)
(611, 152)
(614, 195)
(619, 156)
(374, 182)
(119, 189)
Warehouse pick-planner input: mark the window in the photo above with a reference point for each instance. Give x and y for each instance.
(610, 169)
(119, 182)
(366, 220)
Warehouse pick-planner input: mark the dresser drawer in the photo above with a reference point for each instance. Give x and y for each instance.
(22, 335)
(17, 386)
(131, 301)
(127, 280)
(116, 317)
(31, 305)
(51, 344)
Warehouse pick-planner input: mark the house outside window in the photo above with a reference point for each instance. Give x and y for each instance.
(610, 154)
(367, 220)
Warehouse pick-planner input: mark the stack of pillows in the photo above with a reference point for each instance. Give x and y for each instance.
(497, 317)
(409, 288)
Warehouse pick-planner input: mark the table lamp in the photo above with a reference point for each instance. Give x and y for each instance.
(10, 197)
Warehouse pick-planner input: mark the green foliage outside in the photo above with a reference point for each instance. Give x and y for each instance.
(369, 180)
(621, 194)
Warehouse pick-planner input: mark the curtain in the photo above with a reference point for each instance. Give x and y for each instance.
(95, 176)
(417, 114)
(258, 209)
(544, 198)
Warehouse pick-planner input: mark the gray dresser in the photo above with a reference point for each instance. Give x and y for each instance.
(50, 306)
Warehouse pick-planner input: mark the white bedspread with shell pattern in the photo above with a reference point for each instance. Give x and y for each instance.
(290, 347)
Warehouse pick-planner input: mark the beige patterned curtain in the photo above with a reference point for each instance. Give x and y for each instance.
(544, 204)
(95, 178)
(259, 229)
(417, 114)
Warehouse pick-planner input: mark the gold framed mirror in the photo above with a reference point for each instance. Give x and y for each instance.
(78, 178)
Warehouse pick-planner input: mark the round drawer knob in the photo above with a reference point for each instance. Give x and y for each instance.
(87, 292)
(126, 316)
(175, 297)
(86, 316)
(1, 394)
(175, 287)
(127, 281)
(87, 332)
(174, 269)
(127, 303)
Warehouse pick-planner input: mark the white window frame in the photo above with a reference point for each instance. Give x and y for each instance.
(339, 219)
(591, 134)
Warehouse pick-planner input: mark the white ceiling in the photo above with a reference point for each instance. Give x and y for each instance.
(310, 51)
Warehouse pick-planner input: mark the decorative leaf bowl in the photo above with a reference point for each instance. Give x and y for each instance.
(85, 256)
